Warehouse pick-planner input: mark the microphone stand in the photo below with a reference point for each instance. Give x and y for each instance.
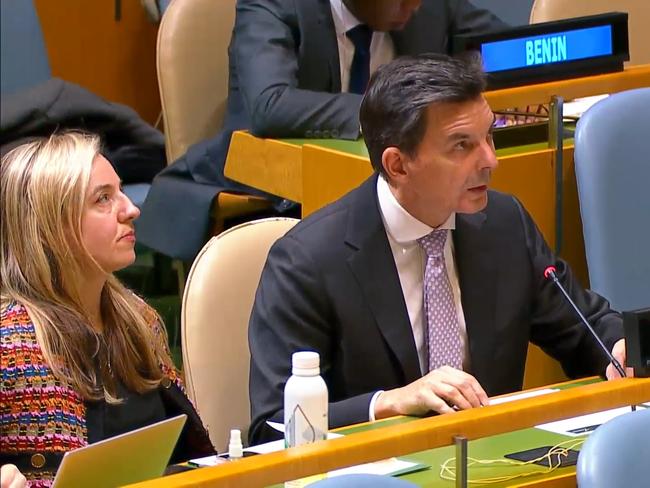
(549, 272)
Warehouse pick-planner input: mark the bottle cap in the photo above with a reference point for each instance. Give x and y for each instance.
(305, 362)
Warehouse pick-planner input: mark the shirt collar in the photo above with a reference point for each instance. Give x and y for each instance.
(402, 227)
(344, 20)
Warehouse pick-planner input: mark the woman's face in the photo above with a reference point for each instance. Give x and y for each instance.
(107, 221)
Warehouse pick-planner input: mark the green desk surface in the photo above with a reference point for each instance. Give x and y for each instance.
(494, 447)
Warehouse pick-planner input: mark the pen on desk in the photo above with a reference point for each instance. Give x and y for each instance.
(584, 430)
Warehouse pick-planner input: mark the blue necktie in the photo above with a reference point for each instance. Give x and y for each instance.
(360, 36)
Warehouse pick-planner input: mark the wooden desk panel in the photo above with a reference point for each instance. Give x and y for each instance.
(407, 438)
(115, 59)
(328, 175)
(268, 164)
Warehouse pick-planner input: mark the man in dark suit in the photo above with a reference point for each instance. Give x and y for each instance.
(420, 289)
(290, 64)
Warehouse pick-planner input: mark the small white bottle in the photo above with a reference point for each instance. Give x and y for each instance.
(235, 446)
(305, 401)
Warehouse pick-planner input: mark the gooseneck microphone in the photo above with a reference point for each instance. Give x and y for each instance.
(549, 273)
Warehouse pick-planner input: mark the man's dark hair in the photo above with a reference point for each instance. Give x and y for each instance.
(393, 111)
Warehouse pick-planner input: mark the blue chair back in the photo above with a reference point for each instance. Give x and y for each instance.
(23, 57)
(612, 163)
(617, 453)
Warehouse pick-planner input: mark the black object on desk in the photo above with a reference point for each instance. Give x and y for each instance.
(521, 135)
(636, 325)
(541, 454)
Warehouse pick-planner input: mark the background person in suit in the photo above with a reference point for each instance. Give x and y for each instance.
(420, 289)
(290, 71)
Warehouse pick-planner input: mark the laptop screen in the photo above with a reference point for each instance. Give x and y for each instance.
(134, 456)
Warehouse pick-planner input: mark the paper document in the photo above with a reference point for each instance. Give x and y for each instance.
(279, 445)
(265, 448)
(585, 424)
(577, 107)
(276, 426)
(386, 467)
(521, 396)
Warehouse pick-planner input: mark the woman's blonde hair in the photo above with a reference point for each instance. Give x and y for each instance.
(44, 186)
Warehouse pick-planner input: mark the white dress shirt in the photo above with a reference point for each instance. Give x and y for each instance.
(382, 50)
(403, 231)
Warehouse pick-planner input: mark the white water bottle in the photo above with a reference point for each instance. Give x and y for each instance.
(305, 401)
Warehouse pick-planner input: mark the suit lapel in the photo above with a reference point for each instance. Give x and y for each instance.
(373, 266)
(477, 275)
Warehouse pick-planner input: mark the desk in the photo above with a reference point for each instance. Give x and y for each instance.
(400, 438)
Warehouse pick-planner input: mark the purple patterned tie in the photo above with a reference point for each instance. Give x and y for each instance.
(443, 336)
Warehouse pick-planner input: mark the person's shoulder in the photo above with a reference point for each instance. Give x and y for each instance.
(17, 329)
(507, 216)
(330, 221)
(503, 210)
(500, 201)
(280, 9)
(149, 313)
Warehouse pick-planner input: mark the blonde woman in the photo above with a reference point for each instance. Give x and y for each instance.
(83, 358)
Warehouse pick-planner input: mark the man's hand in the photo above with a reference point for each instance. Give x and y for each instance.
(618, 351)
(10, 477)
(441, 391)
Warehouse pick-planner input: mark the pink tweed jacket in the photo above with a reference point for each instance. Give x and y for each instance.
(38, 413)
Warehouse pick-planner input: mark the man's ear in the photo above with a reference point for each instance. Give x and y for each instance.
(395, 163)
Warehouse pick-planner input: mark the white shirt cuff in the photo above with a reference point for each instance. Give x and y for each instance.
(371, 409)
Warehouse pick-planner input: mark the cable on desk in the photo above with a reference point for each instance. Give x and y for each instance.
(448, 468)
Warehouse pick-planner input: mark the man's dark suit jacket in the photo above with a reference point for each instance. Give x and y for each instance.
(284, 82)
(331, 285)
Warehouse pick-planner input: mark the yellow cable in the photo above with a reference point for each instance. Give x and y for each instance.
(448, 468)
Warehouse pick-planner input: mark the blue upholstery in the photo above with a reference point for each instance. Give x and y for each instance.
(617, 453)
(362, 481)
(612, 162)
(23, 57)
(137, 192)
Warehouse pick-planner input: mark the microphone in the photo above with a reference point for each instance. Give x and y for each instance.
(549, 273)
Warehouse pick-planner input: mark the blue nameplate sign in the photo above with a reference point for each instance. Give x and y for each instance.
(551, 50)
